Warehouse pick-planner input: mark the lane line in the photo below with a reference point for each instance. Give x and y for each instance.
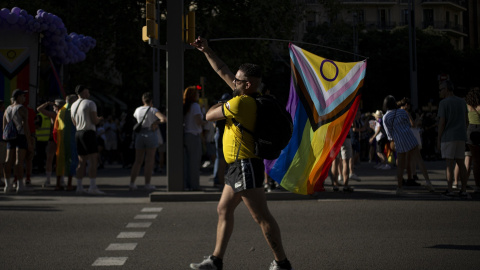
(150, 216)
(139, 224)
(131, 235)
(122, 246)
(110, 261)
(152, 209)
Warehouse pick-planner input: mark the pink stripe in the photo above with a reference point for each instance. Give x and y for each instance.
(306, 70)
(346, 86)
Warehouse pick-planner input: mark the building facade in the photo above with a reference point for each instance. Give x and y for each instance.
(457, 19)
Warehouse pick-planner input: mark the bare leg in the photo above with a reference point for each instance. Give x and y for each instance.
(463, 173)
(450, 172)
(226, 210)
(139, 157)
(149, 161)
(401, 161)
(256, 203)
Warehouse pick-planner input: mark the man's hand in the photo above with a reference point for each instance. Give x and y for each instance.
(200, 43)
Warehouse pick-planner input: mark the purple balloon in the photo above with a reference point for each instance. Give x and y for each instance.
(16, 10)
(12, 18)
(21, 20)
(4, 13)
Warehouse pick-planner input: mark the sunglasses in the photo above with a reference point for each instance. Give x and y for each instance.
(238, 80)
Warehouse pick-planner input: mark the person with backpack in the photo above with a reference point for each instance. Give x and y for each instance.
(17, 146)
(245, 175)
(381, 138)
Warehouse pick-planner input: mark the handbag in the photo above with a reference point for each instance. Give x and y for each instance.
(138, 126)
(10, 131)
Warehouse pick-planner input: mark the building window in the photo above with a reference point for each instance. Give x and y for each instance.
(404, 16)
(383, 18)
(427, 18)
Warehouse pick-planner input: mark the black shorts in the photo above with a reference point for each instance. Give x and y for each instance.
(381, 145)
(86, 142)
(245, 174)
(20, 142)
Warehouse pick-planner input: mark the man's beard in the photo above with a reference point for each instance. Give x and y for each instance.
(236, 92)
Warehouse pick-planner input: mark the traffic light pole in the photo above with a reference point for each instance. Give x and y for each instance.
(175, 66)
(156, 62)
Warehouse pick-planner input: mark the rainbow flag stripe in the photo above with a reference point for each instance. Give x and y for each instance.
(324, 98)
(64, 135)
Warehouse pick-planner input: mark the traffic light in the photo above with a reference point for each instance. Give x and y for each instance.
(150, 30)
(189, 31)
(199, 87)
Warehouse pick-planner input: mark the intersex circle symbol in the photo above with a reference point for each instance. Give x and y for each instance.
(323, 75)
(11, 54)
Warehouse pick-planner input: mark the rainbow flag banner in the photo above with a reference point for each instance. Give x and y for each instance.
(64, 135)
(324, 98)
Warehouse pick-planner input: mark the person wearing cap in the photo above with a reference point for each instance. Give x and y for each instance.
(17, 148)
(381, 139)
(85, 119)
(51, 146)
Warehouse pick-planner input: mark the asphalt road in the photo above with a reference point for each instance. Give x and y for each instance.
(368, 229)
(317, 234)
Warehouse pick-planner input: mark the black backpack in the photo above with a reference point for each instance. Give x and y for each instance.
(273, 127)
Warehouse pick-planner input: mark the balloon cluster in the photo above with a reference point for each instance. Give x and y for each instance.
(62, 47)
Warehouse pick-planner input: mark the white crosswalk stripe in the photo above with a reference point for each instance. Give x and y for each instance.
(110, 261)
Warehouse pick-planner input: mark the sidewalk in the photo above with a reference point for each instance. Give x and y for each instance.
(113, 180)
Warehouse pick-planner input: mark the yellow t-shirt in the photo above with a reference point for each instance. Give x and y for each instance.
(473, 118)
(244, 110)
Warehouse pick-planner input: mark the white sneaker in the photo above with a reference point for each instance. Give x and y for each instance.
(354, 177)
(132, 187)
(46, 183)
(150, 187)
(207, 263)
(8, 189)
(385, 167)
(95, 191)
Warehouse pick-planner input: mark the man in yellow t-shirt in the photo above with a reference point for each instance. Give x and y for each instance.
(245, 175)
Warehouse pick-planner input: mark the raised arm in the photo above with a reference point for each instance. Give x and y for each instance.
(42, 109)
(217, 64)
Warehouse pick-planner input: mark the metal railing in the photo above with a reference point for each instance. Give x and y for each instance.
(443, 25)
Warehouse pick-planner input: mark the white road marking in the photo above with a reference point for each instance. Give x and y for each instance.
(139, 224)
(122, 246)
(152, 216)
(152, 209)
(110, 261)
(131, 235)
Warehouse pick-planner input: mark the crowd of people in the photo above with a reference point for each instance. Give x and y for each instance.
(367, 141)
(397, 136)
(66, 138)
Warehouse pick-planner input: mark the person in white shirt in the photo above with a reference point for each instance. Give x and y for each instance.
(146, 140)
(85, 119)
